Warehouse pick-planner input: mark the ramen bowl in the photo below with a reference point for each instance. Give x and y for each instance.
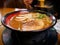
(28, 35)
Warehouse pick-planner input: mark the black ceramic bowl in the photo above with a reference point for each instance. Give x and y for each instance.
(6, 19)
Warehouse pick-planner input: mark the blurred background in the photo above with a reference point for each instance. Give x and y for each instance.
(51, 6)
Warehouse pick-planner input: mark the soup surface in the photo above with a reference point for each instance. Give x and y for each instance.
(31, 21)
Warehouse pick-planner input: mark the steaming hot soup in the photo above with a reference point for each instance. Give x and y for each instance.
(31, 21)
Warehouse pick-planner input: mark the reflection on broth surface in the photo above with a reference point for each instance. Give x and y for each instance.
(30, 21)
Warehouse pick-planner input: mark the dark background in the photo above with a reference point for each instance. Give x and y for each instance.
(1, 3)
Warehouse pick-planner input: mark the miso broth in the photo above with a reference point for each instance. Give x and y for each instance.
(31, 21)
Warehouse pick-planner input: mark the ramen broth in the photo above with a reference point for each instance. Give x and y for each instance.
(30, 21)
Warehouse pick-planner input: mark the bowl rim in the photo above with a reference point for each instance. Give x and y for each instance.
(6, 15)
